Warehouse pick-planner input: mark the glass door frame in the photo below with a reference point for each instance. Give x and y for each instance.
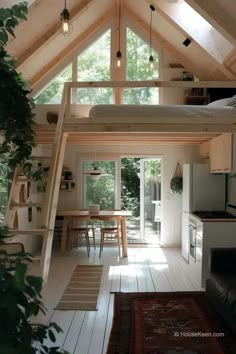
(142, 191)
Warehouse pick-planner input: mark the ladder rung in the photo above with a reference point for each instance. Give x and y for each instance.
(41, 157)
(27, 231)
(24, 179)
(25, 205)
(36, 258)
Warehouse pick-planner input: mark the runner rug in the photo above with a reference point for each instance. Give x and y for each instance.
(161, 323)
(83, 289)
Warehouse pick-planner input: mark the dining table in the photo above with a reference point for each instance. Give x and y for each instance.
(69, 215)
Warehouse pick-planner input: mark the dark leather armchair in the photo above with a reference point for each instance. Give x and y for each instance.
(221, 286)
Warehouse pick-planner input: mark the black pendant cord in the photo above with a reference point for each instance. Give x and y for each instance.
(65, 5)
(119, 25)
(150, 34)
(150, 29)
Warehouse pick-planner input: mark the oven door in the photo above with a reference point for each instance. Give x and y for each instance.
(192, 240)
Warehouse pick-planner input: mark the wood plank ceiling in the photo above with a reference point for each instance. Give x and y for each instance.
(40, 48)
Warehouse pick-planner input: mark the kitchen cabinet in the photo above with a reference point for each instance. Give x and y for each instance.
(222, 151)
(208, 235)
(204, 149)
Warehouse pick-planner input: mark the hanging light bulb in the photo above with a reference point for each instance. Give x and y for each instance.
(151, 59)
(151, 62)
(118, 58)
(66, 26)
(118, 54)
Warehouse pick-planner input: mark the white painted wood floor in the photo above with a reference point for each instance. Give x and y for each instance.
(145, 270)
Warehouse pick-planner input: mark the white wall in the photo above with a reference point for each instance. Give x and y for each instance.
(172, 203)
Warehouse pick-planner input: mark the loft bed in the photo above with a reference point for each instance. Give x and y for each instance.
(161, 119)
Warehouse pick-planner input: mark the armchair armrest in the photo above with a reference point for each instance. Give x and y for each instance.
(222, 260)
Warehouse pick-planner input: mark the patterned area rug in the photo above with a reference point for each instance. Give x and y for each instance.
(168, 323)
(83, 289)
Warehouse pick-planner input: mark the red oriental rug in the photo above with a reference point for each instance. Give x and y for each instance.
(168, 323)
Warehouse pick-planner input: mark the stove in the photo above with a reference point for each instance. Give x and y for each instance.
(216, 214)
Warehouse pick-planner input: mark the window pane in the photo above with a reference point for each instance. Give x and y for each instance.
(146, 95)
(99, 190)
(137, 56)
(94, 65)
(52, 94)
(95, 95)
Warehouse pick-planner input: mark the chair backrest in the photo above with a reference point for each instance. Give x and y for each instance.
(80, 222)
(110, 221)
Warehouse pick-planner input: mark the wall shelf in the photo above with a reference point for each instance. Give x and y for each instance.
(67, 185)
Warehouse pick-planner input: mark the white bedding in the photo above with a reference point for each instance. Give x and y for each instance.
(181, 111)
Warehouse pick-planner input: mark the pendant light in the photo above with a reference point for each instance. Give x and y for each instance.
(95, 173)
(66, 26)
(151, 59)
(118, 54)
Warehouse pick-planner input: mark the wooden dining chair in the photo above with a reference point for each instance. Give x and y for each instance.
(79, 228)
(110, 230)
(91, 227)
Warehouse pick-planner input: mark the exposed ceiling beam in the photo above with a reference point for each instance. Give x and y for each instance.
(217, 15)
(52, 32)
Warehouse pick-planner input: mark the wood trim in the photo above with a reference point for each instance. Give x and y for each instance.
(154, 83)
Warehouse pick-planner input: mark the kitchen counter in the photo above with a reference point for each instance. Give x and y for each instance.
(213, 219)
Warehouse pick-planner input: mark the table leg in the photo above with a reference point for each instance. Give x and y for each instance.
(63, 236)
(123, 235)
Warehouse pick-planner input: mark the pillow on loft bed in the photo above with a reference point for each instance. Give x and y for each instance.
(229, 101)
(220, 103)
(232, 101)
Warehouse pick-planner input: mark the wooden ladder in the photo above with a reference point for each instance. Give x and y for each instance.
(50, 199)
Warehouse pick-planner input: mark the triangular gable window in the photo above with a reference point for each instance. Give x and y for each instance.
(137, 68)
(94, 65)
(52, 93)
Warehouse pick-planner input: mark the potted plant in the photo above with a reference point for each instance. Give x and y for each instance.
(176, 183)
(16, 115)
(20, 293)
(20, 302)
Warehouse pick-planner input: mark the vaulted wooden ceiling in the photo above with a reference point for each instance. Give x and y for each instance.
(41, 50)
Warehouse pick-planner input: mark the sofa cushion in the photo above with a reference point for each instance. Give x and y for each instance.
(221, 290)
(225, 282)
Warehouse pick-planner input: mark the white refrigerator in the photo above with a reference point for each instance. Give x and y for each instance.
(201, 191)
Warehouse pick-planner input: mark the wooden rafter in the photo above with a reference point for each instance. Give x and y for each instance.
(79, 44)
(52, 32)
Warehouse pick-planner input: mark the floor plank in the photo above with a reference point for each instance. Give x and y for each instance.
(145, 269)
